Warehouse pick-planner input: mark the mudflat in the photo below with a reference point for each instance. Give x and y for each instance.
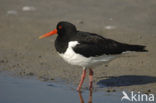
(129, 21)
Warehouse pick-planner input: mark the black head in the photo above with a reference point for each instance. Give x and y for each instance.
(65, 28)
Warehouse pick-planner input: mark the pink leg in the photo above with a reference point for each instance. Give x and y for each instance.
(82, 79)
(91, 78)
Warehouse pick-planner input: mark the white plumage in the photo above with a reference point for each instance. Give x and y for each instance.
(76, 59)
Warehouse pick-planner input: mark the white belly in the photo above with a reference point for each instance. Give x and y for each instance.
(76, 59)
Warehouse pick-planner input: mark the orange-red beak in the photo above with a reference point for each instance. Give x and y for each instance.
(49, 34)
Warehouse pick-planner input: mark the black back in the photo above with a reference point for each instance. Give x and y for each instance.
(90, 45)
(95, 45)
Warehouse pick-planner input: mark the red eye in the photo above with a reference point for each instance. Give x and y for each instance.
(60, 27)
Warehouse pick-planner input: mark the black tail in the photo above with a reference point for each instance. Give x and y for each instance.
(138, 48)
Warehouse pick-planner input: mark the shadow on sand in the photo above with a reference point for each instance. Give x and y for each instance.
(126, 80)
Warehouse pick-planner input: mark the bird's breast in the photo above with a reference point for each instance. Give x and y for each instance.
(72, 57)
(61, 45)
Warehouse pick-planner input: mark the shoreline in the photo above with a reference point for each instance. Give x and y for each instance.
(132, 22)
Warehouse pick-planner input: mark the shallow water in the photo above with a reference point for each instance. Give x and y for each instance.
(24, 90)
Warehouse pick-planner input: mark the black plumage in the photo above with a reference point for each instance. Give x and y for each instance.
(90, 44)
(95, 45)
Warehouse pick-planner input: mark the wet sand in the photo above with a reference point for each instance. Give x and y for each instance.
(129, 21)
(23, 90)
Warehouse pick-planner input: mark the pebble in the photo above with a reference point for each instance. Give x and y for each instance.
(52, 79)
(13, 12)
(109, 27)
(28, 8)
(149, 90)
(43, 78)
(40, 56)
(41, 63)
(113, 90)
(30, 74)
(110, 90)
(3, 61)
(81, 22)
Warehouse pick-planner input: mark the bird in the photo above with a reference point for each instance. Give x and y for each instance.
(87, 49)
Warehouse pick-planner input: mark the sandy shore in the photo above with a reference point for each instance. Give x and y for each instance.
(129, 21)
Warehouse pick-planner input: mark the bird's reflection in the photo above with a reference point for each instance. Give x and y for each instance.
(81, 97)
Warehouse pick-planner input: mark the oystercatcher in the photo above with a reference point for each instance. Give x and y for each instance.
(87, 49)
